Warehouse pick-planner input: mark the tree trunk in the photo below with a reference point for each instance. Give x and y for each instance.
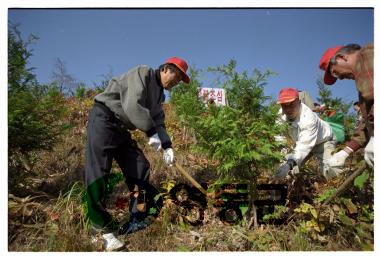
(252, 207)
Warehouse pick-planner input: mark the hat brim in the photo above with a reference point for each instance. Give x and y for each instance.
(329, 79)
(185, 78)
(286, 100)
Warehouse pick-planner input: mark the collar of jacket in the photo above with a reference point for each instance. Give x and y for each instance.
(158, 78)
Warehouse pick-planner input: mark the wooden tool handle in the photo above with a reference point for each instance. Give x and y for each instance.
(190, 178)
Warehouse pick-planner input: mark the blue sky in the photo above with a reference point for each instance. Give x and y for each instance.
(93, 42)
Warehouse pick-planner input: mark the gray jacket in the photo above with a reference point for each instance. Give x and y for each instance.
(136, 99)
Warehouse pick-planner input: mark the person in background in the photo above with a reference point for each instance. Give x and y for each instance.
(310, 134)
(358, 114)
(305, 98)
(130, 101)
(317, 107)
(355, 63)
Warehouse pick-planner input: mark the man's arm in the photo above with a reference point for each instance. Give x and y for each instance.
(360, 137)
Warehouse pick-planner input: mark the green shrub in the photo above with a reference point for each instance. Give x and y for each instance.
(239, 136)
(35, 112)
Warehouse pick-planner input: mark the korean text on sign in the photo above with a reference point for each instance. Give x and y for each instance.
(212, 95)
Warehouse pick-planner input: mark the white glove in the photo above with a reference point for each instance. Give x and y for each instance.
(155, 142)
(280, 139)
(284, 151)
(169, 156)
(338, 159)
(368, 153)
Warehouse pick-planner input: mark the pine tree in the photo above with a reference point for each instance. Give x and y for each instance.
(239, 136)
(337, 105)
(34, 111)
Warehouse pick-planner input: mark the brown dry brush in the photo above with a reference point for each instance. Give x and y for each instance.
(45, 209)
(57, 224)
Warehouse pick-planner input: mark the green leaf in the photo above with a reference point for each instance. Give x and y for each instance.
(361, 179)
(152, 211)
(243, 209)
(157, 197)
(326, 194)
(351, 207)
(314, 213)
(345, 219)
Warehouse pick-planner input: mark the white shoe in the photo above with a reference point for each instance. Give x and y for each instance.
(111, 242)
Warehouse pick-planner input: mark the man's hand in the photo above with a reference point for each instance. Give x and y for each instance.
(169, 156)
(284, 169)
(155, 142)
(338, 159)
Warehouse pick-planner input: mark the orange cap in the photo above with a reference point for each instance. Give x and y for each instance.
(287, 95)
(324, 64)
(181, 65)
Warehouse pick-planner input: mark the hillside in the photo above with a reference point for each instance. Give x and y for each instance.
(46, 211)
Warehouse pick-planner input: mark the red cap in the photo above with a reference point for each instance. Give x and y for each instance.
(182, 65)
(287, 95)
(325, 62)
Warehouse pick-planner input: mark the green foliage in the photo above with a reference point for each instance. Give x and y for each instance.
(326, 194)
(361, 179)
(325, 97)
(278, 213)
(367, 214)
(337, 104)
(310, 223)
(80, 91)
(19, 76)
(66, 233)
(188, 106)
(34, 118)
(113, 179)
(241, 135)
(35, 112)
(263, 241)
(183, 249)
(166, 186)
(307, 208)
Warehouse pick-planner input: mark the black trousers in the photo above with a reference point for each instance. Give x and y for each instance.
(108, 140)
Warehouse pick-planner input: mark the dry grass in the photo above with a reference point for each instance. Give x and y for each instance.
(46, 212)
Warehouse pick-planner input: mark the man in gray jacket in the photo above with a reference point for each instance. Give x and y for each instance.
(131, 101)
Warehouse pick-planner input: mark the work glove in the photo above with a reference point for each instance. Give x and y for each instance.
(338, 159)
(169, 156)
(284, 169)
(155, 142)
(284, 151)
(368, 153)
